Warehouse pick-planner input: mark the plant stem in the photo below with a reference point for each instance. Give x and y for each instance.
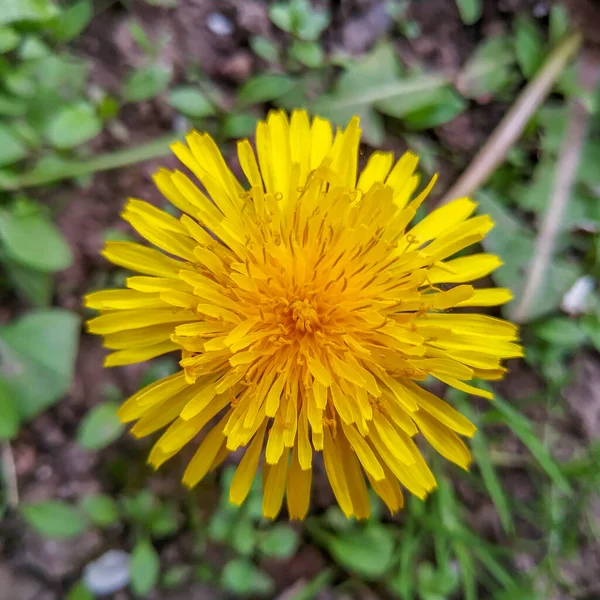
(566, 173)
(103, 162)
(514, 122)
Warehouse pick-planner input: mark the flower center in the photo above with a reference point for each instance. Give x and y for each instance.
(304, 315)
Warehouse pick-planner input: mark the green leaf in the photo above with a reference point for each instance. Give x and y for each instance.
(238, 125)
(489, 71)
(264, 48)
(27, 10)
(514, 242)
(31, 239)
(264, 88)
(9, 415)
(523, 429)
(529, 45)
(376, 82)
(35, 286)
(280, 541)
(146, 83)
(191, 102)
(79, 592)
(100, 427)
(559, 22)
(32, 48)
(71, 21)
(164, 522)
(448, 105)
(300, 18)
(101, 509)
(54, 519)
(562, 332)
(141, 508)
(9, 39)
(310, 54)
(470, 10)
(368, 551)
(242, 577)
(243, 535)
(145, 568)
(37, 358)
(12, 148)
(11, 107)
(73, 125)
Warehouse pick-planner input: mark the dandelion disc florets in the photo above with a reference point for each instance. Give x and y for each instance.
(308, 310)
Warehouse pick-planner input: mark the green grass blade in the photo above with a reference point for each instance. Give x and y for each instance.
(481, 454)
(522, 428)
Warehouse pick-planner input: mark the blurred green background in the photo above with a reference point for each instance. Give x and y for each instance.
(91, 94)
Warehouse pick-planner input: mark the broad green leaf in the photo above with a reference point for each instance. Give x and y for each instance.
(529, 45)
(368, 551)
(71, 21)
(310, 54)
(79, 592)
(54, 519)
(374, 78)
(145, 568)
(32, 48)
(12, 148)
(142, 507)
(164, 522)
(100, 427)
(21, 81)
(9, 39)
(146, 83)
(238, 125)
(101, 509)
(523, 429)
(300, 18)
(514, 242)
(489, 71)
(481, 454)
(470, 10)
(243, 535)
(191, 102)
(31, 239)
(561, 331)
(73, 125)
(241, 577)
(9, 414)
(447, 106)
(11, 106)
(37, 358)
(280, 541)
(264, 88)
(27, 10)
(558, 22)
(264, 48)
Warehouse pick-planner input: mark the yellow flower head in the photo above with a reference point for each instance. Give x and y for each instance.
(307, 308)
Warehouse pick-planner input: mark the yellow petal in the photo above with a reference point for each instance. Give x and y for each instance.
(274, 477)
(204, 457)
(244, 474)
(445, 441)
(298, 488)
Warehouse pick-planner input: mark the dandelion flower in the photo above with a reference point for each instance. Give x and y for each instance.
(308, 310)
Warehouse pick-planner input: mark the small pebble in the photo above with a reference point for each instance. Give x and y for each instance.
(576, 300)
(107, 574)
(219, 24)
